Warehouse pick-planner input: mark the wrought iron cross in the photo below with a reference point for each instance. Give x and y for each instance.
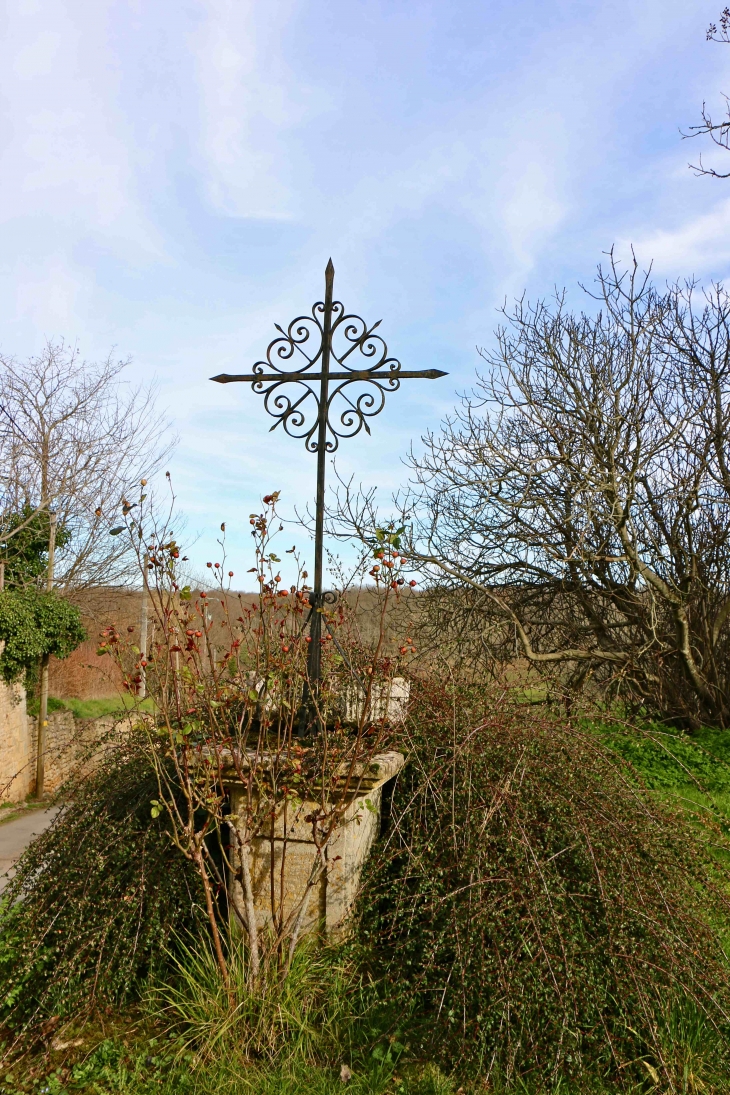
(322, 416)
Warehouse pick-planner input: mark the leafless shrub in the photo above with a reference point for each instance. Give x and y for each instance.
(575, 511)
(228, 691)
(74, 439)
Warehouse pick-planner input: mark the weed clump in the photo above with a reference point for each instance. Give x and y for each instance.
(546, 917)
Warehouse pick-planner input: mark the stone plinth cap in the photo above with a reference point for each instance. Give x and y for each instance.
(365, 776)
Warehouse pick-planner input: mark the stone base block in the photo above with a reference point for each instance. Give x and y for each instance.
(284, 860)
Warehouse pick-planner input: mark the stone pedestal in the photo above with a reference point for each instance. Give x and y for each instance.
(292, 845)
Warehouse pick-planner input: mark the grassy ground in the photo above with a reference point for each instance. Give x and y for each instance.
(113, 705)
(691, 770)
(145, 1062)
(92, 709)
(9, 811)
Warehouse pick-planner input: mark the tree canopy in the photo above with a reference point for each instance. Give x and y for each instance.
(32, 625)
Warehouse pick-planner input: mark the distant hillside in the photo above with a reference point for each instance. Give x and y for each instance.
(85, 676)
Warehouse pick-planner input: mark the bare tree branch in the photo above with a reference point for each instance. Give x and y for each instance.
(76, 438)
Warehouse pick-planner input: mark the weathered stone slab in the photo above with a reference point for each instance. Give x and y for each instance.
(285, 857)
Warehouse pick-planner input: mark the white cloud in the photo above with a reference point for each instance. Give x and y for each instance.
(249, 103)
(66, 152)
(51, 295)
(700, 246)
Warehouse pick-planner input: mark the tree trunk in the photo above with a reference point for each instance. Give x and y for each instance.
(40, 765)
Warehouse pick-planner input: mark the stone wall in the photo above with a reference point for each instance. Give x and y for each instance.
(17, 753)
(72, 745)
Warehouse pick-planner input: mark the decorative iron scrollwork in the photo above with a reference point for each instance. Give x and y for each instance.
(291, 398)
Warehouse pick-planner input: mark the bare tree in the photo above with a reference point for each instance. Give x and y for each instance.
(718, 132)
(76, 439)
(576, 508)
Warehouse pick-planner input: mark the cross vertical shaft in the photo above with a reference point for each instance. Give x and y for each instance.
(314, 659)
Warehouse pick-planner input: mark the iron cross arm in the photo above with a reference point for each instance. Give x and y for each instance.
(361, 374)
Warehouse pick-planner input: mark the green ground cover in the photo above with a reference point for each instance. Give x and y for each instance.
(143, 1051)
(692, 771)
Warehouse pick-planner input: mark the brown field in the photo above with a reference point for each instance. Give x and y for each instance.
(84, 675)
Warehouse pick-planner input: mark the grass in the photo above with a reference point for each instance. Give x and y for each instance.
(281, 1040)
(9, 811)
(150, 1063)
(93, 709)
(112, 705)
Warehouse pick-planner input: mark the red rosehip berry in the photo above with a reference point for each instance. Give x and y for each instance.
(412, 583)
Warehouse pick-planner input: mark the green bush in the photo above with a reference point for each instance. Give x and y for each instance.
(32, 625)
(547, 918)
(91, 911)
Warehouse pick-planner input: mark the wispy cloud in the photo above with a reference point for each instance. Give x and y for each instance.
(173, 179)
(698, 247)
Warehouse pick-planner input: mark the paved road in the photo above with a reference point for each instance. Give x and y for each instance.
(15, 836)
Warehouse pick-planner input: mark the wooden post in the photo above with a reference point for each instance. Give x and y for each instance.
(40, 764)
(142, 690)
(212, 652)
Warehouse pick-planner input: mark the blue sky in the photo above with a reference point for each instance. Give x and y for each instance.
(174, 177)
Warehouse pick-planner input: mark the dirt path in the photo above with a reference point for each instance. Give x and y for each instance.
(16, 835)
